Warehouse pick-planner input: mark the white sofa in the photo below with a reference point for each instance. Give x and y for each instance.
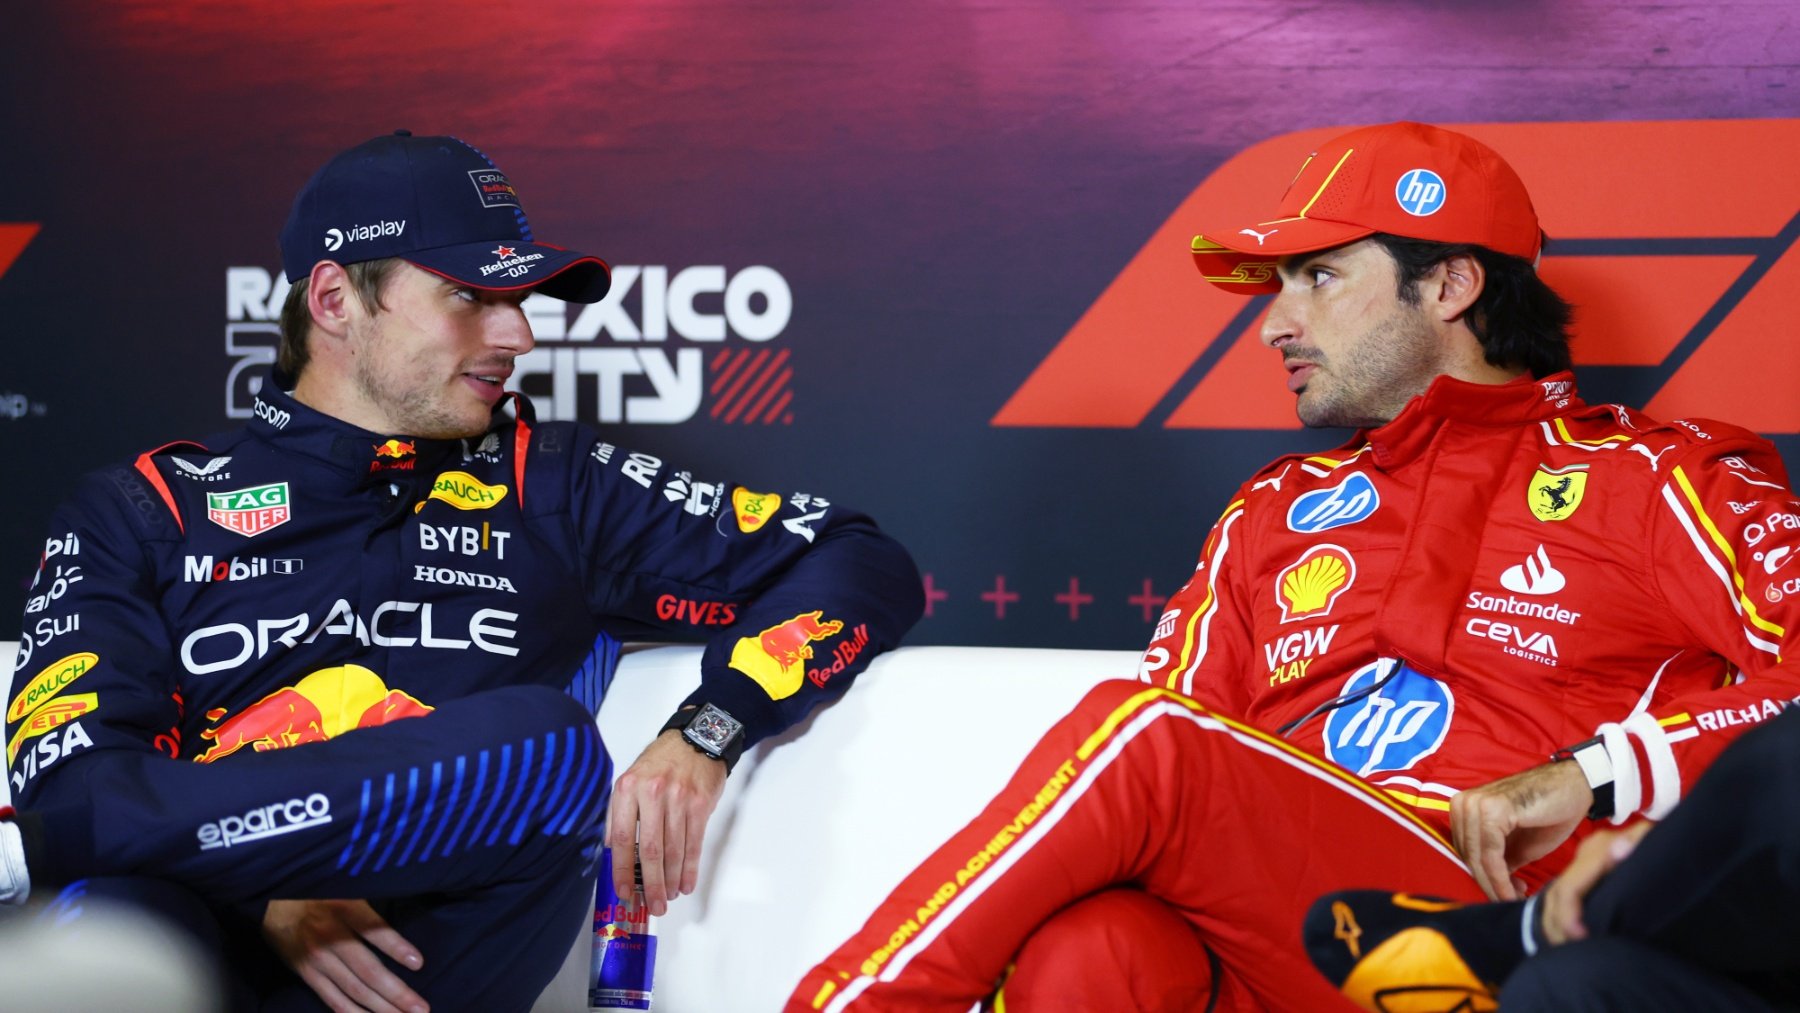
(817, 825)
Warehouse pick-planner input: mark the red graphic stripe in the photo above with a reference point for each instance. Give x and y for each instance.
(521, 443)
(787, 398)
(725, 366)
(13, 238)
(719, 404)
(1735, 373)
(778, 387)
(147, 468)
(764, 374)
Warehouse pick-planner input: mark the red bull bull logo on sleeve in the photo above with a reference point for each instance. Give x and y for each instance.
(776, 657)
(323, 705)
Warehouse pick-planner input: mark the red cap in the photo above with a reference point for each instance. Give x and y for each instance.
(1405, 179)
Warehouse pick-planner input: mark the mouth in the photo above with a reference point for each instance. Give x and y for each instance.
(1298, 373)
(489, 384)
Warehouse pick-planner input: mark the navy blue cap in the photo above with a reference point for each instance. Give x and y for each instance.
(435, 202)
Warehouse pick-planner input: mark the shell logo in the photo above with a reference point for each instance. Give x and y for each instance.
(1310, 586)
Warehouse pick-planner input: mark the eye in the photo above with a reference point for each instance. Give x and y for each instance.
(466, 294)
(1318, 275)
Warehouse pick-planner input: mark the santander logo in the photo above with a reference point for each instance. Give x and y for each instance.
(1534, 576)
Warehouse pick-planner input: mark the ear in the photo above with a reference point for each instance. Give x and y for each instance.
(1455, 285)
(328, 297)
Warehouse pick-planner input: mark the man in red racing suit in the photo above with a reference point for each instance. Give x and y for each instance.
(1491, 572)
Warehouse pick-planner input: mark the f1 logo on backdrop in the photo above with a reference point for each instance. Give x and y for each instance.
(654, 351)
(1675, 241)
(14, 236)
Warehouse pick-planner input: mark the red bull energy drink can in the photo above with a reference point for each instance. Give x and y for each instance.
(624, 963)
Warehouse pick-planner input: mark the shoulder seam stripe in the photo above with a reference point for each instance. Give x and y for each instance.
(148, 470)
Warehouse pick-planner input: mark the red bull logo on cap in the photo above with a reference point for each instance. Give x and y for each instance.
(323, 705)
(776, 657)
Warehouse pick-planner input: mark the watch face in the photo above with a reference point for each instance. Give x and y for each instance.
(712, 729)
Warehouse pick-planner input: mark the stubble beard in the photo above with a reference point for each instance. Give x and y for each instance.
(408, 401)
(1368, 383)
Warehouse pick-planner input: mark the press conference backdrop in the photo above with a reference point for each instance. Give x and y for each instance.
(924, 258)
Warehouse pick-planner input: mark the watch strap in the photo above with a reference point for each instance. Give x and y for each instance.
(1597, 769)
(712, 731)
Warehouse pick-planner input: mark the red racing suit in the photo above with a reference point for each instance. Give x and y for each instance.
(1501, 571)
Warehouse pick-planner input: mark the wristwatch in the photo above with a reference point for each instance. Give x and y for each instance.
(1596, 767)
(711, 731)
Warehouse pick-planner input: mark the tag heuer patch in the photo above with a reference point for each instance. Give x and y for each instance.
(249, 511)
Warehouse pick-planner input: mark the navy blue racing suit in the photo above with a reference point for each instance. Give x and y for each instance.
(203, 611)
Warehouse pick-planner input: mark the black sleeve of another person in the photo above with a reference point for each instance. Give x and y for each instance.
(1708, 902)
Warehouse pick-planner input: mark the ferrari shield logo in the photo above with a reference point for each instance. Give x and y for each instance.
(1555, 493)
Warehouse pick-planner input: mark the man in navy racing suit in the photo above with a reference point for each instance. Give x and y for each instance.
(391, 546)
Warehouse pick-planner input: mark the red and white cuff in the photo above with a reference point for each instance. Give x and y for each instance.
(1618, 761)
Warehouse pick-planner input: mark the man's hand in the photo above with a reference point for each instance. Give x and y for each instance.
(327, 943)
(662, 804)
(1517, 820)
(1560, 907)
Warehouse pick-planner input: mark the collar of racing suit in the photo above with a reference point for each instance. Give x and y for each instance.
(1501, 405)
(367, 457)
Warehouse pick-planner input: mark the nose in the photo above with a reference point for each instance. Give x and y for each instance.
(1283, 320)
(512, 331)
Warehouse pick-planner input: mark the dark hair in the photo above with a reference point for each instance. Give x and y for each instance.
(367, 278)
(1519, 320)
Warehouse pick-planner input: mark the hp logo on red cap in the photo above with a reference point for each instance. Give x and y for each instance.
(1420, 192)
